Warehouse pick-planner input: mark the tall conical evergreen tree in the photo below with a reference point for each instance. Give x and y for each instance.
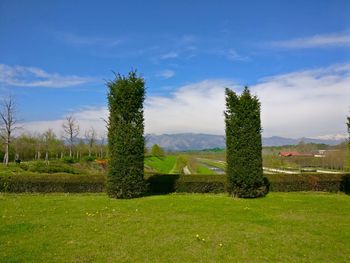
(243, 145)
(125, 136)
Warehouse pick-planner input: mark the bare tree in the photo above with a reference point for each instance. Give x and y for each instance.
(9, 124)
(90, 135)
(71, 130)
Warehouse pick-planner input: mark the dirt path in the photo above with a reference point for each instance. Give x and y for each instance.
(186, 170)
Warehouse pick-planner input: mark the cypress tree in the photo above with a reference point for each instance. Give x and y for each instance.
(125, 136)
(243, 145)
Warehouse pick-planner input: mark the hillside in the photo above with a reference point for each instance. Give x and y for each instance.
(197, 141)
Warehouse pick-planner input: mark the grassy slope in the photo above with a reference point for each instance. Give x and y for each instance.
(283, 227)
(203, 170)
(161, 164)
(214, 163)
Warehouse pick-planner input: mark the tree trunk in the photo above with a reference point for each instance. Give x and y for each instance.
(6, 161)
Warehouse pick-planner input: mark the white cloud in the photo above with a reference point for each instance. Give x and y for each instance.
(308, 103)
(166, 74)
(86, 118)
(192, 108)
(21, 76)
(330, 40)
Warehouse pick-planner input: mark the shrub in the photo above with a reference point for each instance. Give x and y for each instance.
(307, 182)
(125, 136)
(274, 182)
(48, 183)
(162, 183)
(24, 166)
(52, 167)
(169, 183)
(89, 158)
(243, 144)
(157, 151)
(68, 159)
(345, 184)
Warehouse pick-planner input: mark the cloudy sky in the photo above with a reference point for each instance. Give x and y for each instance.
(56, 56)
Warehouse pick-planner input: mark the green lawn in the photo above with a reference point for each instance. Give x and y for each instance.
(282, 227)
(204, 170)
(214, 163)
(161, 164)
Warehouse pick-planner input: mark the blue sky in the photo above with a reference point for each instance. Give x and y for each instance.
(55, 57)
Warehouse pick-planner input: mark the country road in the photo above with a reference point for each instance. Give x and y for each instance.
(186, 170)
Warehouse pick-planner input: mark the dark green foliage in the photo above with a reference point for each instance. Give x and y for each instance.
(345, 184)
(69, 160)
(89, 158)
(243, 145)
(308, 182)
(169, 183)
(125, 136)
(162, 183)
(51, 183)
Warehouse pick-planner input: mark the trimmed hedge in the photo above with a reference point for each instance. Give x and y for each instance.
(50, 183)
(276, 183)
(169, 183)
(309, 182)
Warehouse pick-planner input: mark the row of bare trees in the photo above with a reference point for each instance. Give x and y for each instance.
(47, 145)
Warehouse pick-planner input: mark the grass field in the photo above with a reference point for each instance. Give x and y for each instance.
(161, 164)
(283, 227)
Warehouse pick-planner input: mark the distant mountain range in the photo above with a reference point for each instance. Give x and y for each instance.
(197, 141)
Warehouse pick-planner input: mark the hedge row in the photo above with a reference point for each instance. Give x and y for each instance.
(169, 183)
(162, 184)
(276, 182)
(309, 182)
(49, 183)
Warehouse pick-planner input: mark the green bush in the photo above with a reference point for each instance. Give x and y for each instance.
(52, 167)
(276, 183)
(126, 143)
(69, 160)
(24, 166)
(169, 183)
(244, 146)
(162, 183)
(89, 158)
(49, 183)
(308, 182)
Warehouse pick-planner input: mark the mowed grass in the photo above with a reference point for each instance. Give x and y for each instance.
(282, 227)
(161, 164)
